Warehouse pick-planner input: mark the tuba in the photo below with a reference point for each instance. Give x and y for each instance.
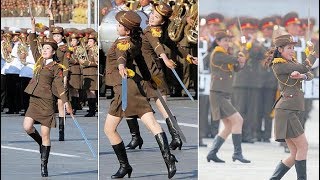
(81, 53)
(191, 31)
(6, 44)
(176, 26)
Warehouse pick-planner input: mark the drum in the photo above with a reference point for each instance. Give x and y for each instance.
(108, 28)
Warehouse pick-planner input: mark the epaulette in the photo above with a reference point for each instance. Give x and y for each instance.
(63, 48)
(123, 45)
(156, 31)
(278, 60)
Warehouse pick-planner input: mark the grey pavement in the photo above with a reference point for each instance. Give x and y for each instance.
(264, 157)
(147, 162)
(69, 159)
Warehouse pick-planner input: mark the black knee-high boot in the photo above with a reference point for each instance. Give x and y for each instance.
(92, 107)
(135, 133)
(176, 141)
(44, 160)
(217, 143)
(169, 158)
(36, 136)
(301, 169)
(280, 171)
(61, 128)
(237, 155)
(74, 104)
(125, 167)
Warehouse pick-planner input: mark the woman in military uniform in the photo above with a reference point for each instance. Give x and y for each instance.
(48, 74)
(90, 73)
(63, 56)
(222, 66)
(290, 105)
(120, 57)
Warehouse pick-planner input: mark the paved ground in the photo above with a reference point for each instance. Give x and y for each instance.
(147, 163)
(264, 157)
(71, 159)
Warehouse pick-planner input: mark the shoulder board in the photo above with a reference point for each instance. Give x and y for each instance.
(156, 31)
(123, 45)
(278, 60)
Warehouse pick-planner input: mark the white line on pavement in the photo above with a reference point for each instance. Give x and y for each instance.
(37, 151)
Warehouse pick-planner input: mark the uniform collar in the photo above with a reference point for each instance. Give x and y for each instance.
(48, 61)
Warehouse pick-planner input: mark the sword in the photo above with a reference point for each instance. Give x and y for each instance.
(171, 117)
(84, 136)
(50, 2)
(124, 93)
(181, 83)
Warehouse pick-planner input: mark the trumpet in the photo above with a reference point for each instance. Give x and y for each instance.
(176, 26)
(191, 31)
(6, 45)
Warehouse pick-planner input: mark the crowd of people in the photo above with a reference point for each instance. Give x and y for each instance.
(64, 11)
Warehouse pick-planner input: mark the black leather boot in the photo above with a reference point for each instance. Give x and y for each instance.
(61, 128)
(237, 155)
(217, 143)
(44, 160)
(280, 171)
(92, 107)
(36, 136)
(135, 133)
(176, 141)
(301, 169)
(74, 104)
(169, 158)
(125, 167)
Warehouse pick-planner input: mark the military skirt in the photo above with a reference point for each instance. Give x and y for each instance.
(42, 111)
(75, 79)
(221, 107)
(90, 78)
(287, 124)
(137, 102)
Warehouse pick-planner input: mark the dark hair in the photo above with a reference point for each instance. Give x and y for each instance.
(214, 44)
(135, 35)
(270, 55)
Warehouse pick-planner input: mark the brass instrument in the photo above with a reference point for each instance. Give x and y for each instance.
(23, 48)
(81, 53)
(191, 31)
(176, 26)
(6, 44)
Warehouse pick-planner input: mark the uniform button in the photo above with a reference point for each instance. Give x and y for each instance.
(291, 95)
(221, 78)
(230, 76)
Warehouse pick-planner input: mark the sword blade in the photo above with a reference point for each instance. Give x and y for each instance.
(171, 117)
(124, 94)
(50, 3)
(30, 10)
(181, 83)
(84, 137)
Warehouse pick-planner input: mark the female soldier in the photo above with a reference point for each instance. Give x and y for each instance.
(120, 56)
(287, 126)
(153, 41)
(222, 66)
(90, 73)
(47, 75)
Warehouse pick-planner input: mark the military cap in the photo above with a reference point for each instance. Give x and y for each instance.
(74, 35)
(93, 35)
(249, 23)
(222, 34)
(163, 9)
(267, 22)
(51, 42)
(128, 19)
(304, 23)
(290, 18)
(281, 37)
(23, 32)
(214, 18)
(14, 30)
(57, 30)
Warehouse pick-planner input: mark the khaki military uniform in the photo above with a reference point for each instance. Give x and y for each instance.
(45, 79)
(90, 73)
(75, 80)
(291, 103)
(137, 101)
(222, 66)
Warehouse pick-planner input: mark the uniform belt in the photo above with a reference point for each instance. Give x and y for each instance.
(290, 95)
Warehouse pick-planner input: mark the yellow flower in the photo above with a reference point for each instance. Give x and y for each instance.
(131, 73)
(39, 25)
(123, 46)
(278, 60)
(156, 32)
